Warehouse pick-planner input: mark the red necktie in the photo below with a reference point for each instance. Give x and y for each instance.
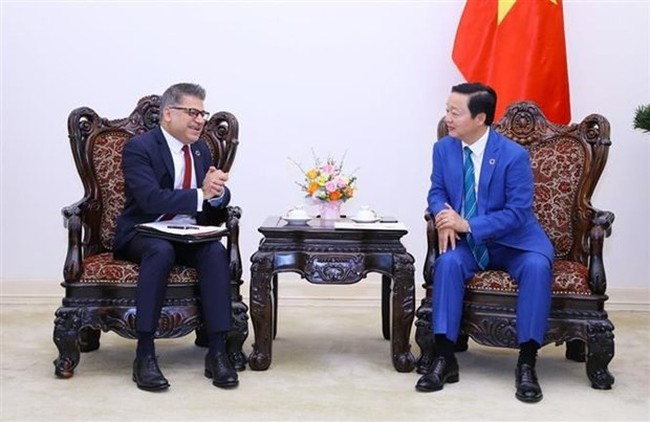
(187, 176)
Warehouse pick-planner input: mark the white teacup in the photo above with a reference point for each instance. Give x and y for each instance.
(366, 213)
(297, 212)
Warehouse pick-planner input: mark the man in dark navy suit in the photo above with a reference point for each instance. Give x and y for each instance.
(168, 175)
(482, 198)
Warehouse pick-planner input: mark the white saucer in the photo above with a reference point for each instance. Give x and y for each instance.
(365, 220)
(296, 221)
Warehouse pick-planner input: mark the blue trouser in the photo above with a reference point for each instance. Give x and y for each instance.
(156, 258)
(531, 270)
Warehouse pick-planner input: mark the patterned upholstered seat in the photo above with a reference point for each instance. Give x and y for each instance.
(567, 162)
(100, 290)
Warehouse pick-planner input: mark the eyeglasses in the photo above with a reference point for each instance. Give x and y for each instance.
(194, 113)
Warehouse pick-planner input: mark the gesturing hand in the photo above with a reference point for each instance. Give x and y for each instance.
(214, 183)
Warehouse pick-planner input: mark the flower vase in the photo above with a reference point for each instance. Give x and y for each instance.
(330, 210)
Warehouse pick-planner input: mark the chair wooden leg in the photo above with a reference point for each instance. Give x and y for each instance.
(201, 339)
(462, 343)
(385, 305)
(88, 339)
(424, 337)
(600, 353)
(274, 291)
(66, 338)
(575, 351)
(238, 335)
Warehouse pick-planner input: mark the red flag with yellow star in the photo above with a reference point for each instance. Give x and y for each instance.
(517, 47)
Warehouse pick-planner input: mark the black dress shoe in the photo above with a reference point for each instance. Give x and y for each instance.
(147, 374)
(219, 368)
(442, 372)
(528, 389)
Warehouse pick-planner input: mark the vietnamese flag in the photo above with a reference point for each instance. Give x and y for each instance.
(517, 47)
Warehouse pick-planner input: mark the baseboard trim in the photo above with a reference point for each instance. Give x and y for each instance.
(294, 291)
(629, 299)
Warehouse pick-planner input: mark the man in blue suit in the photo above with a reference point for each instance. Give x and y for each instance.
(168, 175)
(482, 198)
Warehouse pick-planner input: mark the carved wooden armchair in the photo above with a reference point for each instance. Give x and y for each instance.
(567, 162)
(100, 290)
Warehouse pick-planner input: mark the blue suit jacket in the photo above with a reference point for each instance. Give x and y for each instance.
(505, 194)
(149, 184)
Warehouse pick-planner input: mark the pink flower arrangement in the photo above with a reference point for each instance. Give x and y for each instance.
(326, 181)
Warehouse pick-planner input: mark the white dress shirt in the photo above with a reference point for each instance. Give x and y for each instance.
(178, 157)
(478, 149)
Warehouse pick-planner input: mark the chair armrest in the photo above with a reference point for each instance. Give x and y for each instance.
(214, 216)
(229, 216)
(602, 228)
(73, 266)
(432, 247)
(604, 219)
(232, 223)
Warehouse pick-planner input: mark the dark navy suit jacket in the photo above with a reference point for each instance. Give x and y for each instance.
(505, 194)
(149, 184)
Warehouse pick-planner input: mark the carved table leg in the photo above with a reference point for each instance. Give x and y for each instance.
(385, 305)
(66, 337)
(403, 312)
(274, 290)
(261, 310)
(600, 353)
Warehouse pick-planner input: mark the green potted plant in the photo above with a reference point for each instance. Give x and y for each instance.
(642, 118)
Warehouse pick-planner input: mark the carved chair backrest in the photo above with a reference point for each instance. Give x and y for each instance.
(97, 145)
(567, 161)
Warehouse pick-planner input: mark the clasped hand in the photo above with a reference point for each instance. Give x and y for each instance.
(214, 183)
(449, 224)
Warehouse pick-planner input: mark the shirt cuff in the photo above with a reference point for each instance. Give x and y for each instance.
(199, 200)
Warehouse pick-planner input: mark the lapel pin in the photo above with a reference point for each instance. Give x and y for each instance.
(197, 153)
(492, 161)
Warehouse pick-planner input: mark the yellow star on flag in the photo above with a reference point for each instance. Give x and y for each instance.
(505, 6)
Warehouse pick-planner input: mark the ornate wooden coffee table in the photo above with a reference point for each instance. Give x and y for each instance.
(323, 254)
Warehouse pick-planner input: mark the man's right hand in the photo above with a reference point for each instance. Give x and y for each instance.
(447, 237)
(449, 224)
(214, 183)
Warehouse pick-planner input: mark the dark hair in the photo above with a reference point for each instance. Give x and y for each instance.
(482, 99)
(174, 94)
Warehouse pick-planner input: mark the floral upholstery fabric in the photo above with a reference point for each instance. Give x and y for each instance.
(568, 278)
(558, 165)
(107, 159)
(103, 268)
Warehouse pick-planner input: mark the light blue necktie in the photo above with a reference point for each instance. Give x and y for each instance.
(480, 251)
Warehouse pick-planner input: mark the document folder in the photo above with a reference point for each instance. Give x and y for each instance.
(186, 233)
